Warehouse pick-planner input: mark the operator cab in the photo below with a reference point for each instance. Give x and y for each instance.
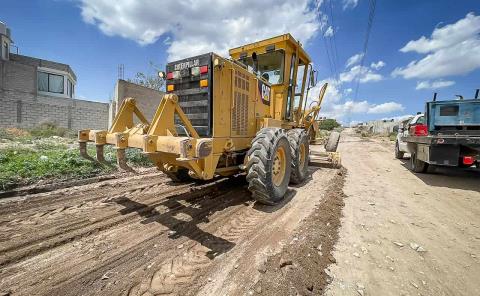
(286, 66)
(269, 65)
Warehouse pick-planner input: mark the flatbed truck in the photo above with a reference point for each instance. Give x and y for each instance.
(448, 135)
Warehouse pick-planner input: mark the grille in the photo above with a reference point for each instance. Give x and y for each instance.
(194, 100)
(240, 109)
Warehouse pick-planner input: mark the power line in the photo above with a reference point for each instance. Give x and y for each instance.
(334, 40)
(330, 62)
(371, 16)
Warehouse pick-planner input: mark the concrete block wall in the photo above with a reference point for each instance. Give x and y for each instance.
(381, 127)
(147, 99)
(25, 112)
(21, 106)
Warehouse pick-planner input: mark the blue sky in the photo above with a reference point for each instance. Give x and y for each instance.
(94, 36)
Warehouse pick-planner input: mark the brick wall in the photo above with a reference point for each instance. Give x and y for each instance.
(21, 106)
(18, 110)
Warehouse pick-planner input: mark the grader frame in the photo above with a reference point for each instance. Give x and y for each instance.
(246, 110)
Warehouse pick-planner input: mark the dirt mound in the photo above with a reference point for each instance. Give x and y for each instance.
(299, 269)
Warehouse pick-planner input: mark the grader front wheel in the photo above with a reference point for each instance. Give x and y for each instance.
(269, 165)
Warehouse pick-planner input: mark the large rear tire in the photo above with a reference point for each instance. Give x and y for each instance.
(269, 165)
(398, 154)
(332, 142)
(300, 150)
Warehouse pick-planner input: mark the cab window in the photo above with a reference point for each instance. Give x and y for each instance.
(270, 65)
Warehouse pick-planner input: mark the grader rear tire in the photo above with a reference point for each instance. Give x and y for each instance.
(299, 147)
(269, 165)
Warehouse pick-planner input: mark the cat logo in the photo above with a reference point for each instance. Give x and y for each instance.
(264, 90)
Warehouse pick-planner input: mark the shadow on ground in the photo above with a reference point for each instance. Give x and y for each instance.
(451, 177)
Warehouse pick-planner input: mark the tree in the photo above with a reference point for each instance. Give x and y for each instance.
(149, 80)
(328, 124)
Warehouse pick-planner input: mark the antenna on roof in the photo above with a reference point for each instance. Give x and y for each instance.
(121, 71)
(434, 97)
(476, 93)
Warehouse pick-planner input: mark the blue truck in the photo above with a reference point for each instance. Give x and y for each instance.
(448, 135)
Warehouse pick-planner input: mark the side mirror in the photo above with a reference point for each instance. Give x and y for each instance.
(162, 75)
(312, 78)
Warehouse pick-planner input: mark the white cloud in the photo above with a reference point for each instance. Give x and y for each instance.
(329, 32)
(434, 85)
(353, 60)
(446, 36)
(349, 4)
(362, 73)
(451, 50)
(384, 108)
(332, 106)
(197, 27)
(340, 111)
(378, 65)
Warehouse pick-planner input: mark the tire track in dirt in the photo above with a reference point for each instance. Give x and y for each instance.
(130, 257)
(145, 213)
(54, 237)
(180, 271)
(22, 207)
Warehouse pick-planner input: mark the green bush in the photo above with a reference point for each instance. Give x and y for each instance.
(392, 136)
(48, 129)
(328, 124)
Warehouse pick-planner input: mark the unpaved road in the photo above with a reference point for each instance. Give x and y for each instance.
(405, 233)
(400, 234)
(143, 235)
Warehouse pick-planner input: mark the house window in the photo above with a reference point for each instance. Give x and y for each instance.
(50, 83)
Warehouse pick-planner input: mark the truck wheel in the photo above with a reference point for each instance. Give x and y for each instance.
(268, 165)
(416, 165)
(398, 154)
(300, 149)
(332, 142)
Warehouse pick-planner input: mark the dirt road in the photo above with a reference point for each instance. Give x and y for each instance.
(142, 235)
(405, 233)
(401, 234)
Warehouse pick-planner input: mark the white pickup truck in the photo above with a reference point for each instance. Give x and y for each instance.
(403, 130)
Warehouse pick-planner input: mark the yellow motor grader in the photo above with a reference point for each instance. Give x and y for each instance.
(222, 116)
